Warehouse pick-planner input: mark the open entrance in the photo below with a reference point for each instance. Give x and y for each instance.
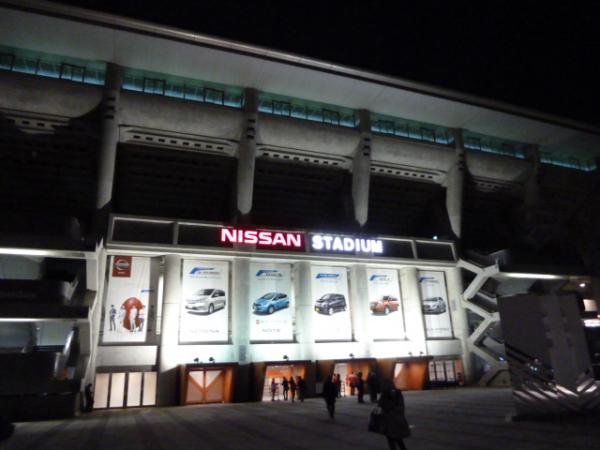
(278, 372)
(411, 374)
(348, 372)
(206, 384)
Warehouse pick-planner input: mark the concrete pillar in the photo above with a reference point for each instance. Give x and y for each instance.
(304, 310)
(359, 308)
(455, 180)
(247, 156)
(240, 311)
(107, 154)
(169, 339)
(460, 322)
(361, 170)
(413, 315)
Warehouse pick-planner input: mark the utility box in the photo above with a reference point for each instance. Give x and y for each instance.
(547, 355)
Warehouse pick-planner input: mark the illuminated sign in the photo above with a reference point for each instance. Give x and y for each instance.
(282, 239)
(343, 244)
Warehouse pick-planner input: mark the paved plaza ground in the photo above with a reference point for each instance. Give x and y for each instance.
(468, 418)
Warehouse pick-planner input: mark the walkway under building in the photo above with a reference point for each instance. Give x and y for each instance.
(468, 418)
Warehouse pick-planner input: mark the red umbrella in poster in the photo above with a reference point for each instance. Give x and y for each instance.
(132, 308)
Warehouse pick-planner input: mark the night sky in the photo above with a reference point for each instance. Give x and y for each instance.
(534, 54)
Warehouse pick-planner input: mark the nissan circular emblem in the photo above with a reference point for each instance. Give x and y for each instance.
(121, 266)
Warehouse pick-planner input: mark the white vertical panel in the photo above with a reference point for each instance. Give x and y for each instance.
(134, 389)
(149, 396)
(117, 390)
(101, 390)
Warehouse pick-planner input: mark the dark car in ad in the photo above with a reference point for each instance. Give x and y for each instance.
(330, 303)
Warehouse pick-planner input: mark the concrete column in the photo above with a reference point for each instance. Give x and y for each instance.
(361, 170)
(240, 312)
(247, 156)
(109, 139)
(413, 315)
(455, 180)
(460, 322)
(169, 339)
(304, 310)
(359, 308)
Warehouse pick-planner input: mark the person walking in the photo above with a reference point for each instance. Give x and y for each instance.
(293, 388)
(360, 387)
(301, 388)
(330, 395)
(373, 385)
(351, 382)
(395, 426)
(338, 384)
(285, 385)
(273, 389)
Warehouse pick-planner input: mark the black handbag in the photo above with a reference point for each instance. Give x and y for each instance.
(376, 424)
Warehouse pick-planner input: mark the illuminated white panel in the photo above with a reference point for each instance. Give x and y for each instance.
(101, 390)
(134, 389)
(117, 390)
(149, 396)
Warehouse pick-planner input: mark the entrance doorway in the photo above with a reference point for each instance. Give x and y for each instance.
(411, 373)
(348, 372)
(278, 372)
(124, 390)
(206, 384)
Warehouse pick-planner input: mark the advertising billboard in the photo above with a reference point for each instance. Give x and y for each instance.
(204, 309)
(434, 304)
(127, 300)
(271, 302)
(386, 319)
(331, 308)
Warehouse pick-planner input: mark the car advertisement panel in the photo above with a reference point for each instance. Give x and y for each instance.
(434, 303)
(331, 307)
(204, 311)
(271, 302)
(385, 304)
(127, 300)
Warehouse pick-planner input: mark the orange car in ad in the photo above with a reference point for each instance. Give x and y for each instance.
(385, 305)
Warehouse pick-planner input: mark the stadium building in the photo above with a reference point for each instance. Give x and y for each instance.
(187, 217)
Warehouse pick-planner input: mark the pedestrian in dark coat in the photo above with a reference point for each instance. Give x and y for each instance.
(373, 384)
(330, 395)
(301, 389)
(395, 426)
(293, 388)
(286, 388)
(360, 387)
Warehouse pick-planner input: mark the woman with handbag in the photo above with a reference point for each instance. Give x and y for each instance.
(393, 422)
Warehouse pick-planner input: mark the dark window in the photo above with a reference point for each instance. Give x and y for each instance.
(332, 117)
(213, 96)
(72, 72)
(387, 126)
(427, 134)
(281, 108)
(154, 86)
(6, 61)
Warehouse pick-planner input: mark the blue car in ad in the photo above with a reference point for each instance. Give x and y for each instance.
(270, 302)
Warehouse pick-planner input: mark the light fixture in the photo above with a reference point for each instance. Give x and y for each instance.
(211, 359)
(435, 238)
(581, 285)
(540, 276)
